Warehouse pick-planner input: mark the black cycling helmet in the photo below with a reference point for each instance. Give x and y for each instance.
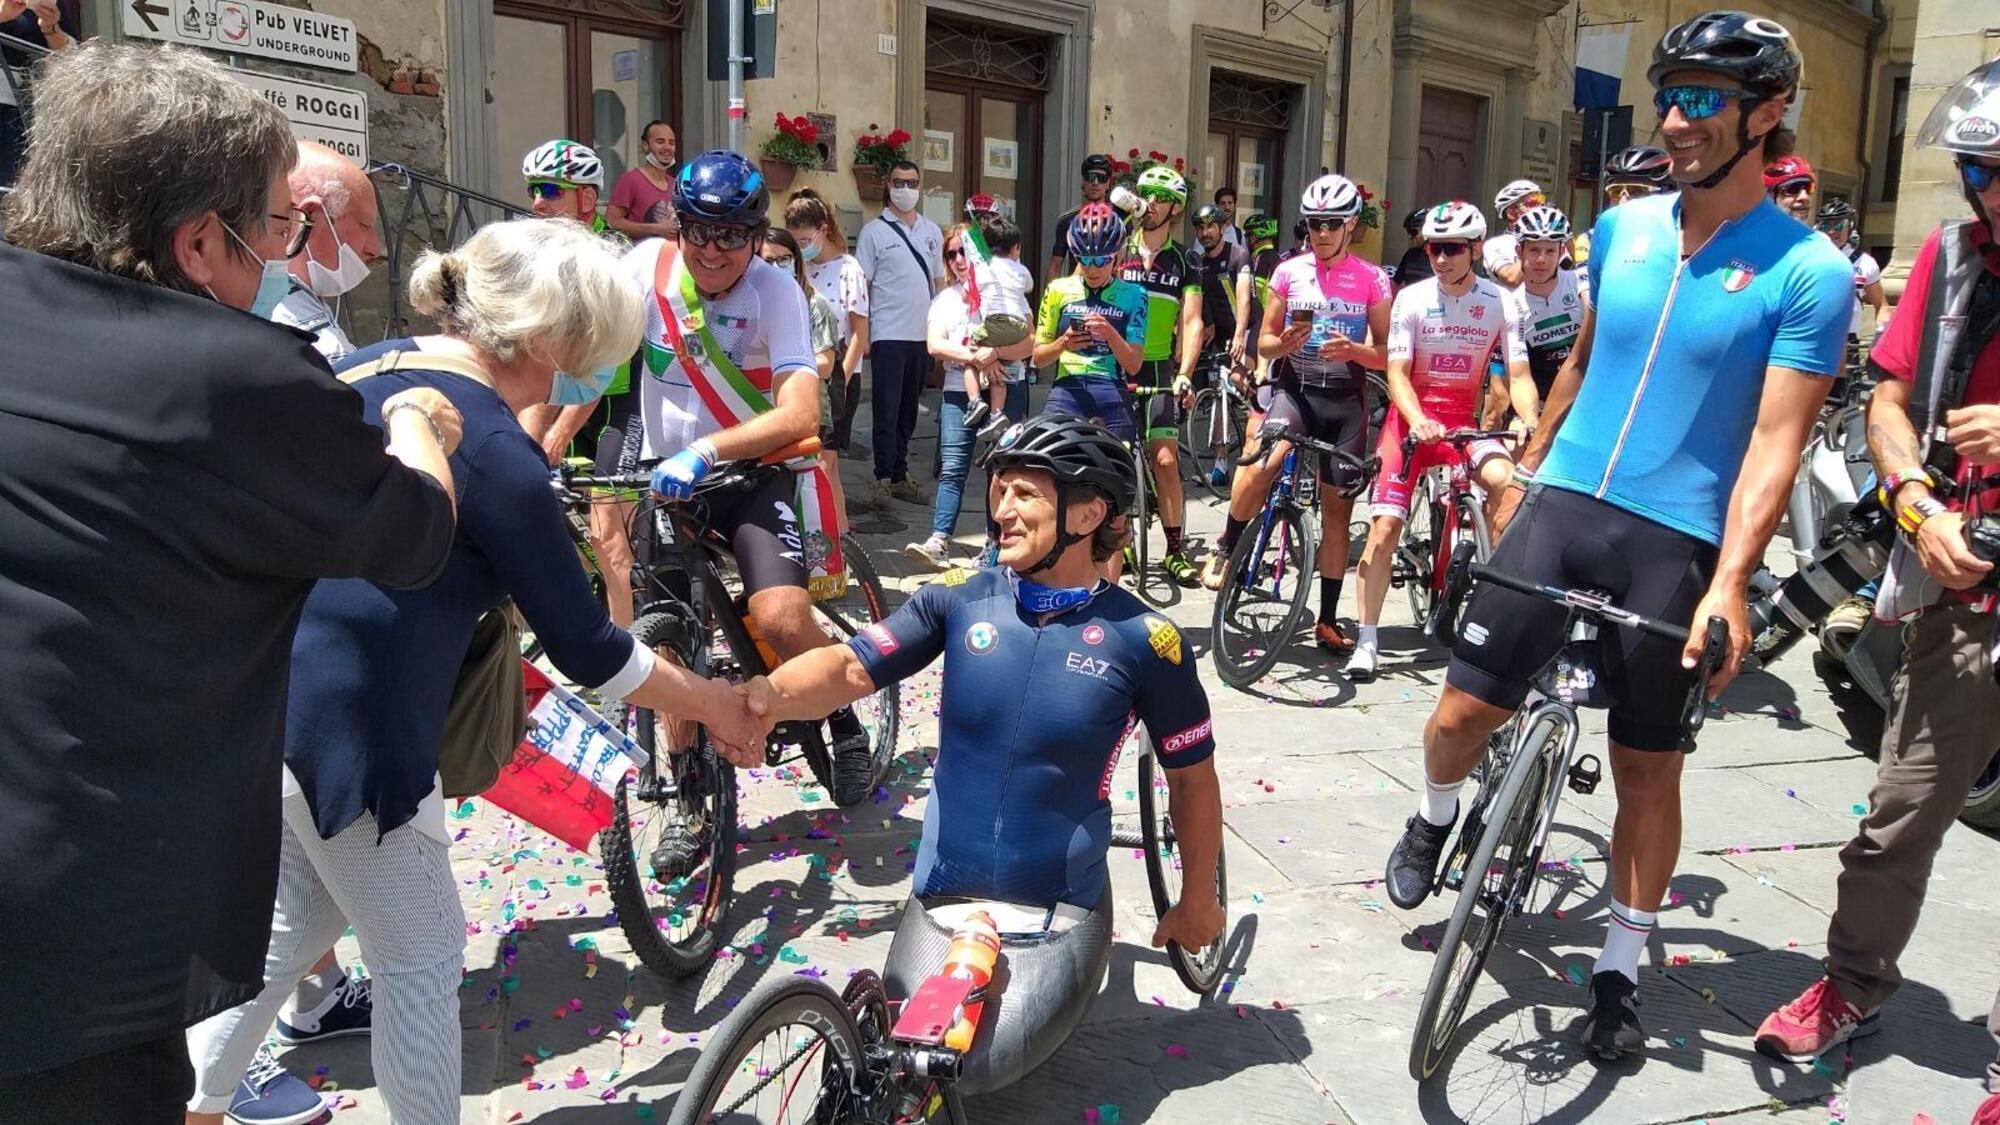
(723, 188)
(1640, 164)
(1755, 51)
(1207, 213)
(1414, 221)
(1078, 453)
(1834, 211)
(1299, 232)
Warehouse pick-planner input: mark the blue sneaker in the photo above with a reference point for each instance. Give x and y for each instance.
(271, 1095)
(1217, 478)
(348, 1010)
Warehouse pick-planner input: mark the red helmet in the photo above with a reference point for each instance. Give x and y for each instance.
(1785, 169)
(981, 206)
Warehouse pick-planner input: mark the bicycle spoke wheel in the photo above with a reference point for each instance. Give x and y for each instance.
(1199, 969)
(789, 1053)
(1415, 554)
(1148, 581)
(672, 924)
(863, 604)
(1499, 873)
(1263, 597)
(1212, 432)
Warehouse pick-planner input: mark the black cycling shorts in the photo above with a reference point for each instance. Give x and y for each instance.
(1564, 538)
(1163, 412)
(623, 437)
(1336, 417)
(758, 520)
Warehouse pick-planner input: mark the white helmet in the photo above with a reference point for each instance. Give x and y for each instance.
(1542, 224)
(1330, 197)
(566, 162)
(1514, 193)
(1454, 221)
(1967, 119)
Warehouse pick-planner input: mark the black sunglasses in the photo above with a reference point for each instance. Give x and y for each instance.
(954, 252)
(728, 238)
(1978, 177)
(1446, 249)
(1325, 223)
(1097, 177)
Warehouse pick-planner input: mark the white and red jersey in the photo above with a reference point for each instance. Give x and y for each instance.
(762, 323)
(1448, 342)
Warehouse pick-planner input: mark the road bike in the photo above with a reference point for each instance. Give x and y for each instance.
(1262, 600)
(683, 800)
(1153, 584)
(796, 1050)
(1445, 533)
(1214, 427)
(1495, 859)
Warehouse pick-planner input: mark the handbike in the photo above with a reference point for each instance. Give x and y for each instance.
(1494, 861)
(1444, 534)
(687, 792)
(1262, 600)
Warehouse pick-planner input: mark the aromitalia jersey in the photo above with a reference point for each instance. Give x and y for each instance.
(1068, 301)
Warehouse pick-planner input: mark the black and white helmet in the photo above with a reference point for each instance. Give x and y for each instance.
(1514, 193)
(1643, 164)
(1331, 197)
(1754, 50)
(1454, 221)
(1966, 120)
(1542, 224)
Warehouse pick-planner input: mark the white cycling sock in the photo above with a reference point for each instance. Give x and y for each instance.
(1439, 803)
(1368, 637)
(1624, 939)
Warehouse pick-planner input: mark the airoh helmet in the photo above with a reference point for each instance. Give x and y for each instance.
(564, 161)
(981, 206)
(1513, 193)
(1331, 197)
(1079, 453)
(1756, 51)
(1162, 182)
(1095, 231)
(1640, 164)
(1785, 170)
(1454, 221)
(1542, 224)
(721, 187)
(1966, 120)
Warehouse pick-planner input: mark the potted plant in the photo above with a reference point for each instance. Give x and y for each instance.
(1372, 209)
(1127, 171)
(874, 154)
(788, 150)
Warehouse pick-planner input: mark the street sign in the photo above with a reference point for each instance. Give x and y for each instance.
(246, 27)
(335, 117)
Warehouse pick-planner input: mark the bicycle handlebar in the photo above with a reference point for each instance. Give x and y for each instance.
(1457, 437)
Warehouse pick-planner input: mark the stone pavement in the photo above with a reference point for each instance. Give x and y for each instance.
(1325, 977)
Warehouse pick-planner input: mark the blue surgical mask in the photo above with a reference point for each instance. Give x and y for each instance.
(580, 390)
(273, 285)
(809, 250)
(1037, 598)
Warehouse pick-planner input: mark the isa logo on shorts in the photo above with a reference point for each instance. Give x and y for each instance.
(981, 637)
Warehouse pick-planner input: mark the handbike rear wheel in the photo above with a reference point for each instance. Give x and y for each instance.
(789, 1052)
(1255, 615)
(1199, 969)
(1499, 872)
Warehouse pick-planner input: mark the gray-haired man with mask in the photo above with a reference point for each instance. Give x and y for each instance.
(345, 243)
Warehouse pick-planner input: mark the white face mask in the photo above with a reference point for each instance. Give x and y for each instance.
(272, 284)
(656, 162)
(348, 271)
(905, 198)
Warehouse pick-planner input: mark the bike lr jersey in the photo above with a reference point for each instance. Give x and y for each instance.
(1068, 301)
(1029, 734)
(1339, 297)
(1173, 274)
(1549, 325)
(1677, 358)
(1448, 341)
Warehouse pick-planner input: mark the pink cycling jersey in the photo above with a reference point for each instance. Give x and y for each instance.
(1448, 341)
(1339, 297)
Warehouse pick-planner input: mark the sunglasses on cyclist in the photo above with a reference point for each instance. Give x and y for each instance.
(1619, 193)
(1325, 223)
(1093, 261)
(1697, 102)
(1446, 249)
(1977, 176)
(547, 190)
(1097, 177)
(1795, 187)
(726, 238)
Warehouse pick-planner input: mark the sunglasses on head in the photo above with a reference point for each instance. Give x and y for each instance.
(1446, 249)
(1324, 223)
(1097, 177)
(726, 238)
(1697, 102)
(1093, 261)
(1977, 176)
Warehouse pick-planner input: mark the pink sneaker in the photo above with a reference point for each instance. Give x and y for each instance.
(1988, 1112)
(1815, 1023)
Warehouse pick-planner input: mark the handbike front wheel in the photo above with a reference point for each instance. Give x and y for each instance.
(1199, 969)
(789, 1052)
(1262, 602)
(1501, 868)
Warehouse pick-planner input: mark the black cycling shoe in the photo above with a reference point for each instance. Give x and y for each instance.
(854, 774)
(682, 847)
(1613, 1027)
(1413, 862)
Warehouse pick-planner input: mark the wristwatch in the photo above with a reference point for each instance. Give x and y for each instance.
(1894, 482)
(1923, 508)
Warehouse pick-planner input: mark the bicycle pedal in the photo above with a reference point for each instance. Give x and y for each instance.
(1585, 773)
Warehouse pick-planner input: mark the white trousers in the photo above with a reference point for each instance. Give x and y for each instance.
(401, 899)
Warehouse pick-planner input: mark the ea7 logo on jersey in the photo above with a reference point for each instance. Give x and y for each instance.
(981, 637)
(1087, 666)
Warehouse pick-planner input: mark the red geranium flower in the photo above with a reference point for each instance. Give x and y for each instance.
(1134, 153)
(899, 137)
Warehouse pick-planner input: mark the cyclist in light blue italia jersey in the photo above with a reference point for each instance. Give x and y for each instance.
(1660, 474)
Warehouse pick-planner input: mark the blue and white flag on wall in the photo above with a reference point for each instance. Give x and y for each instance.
(1600, 64)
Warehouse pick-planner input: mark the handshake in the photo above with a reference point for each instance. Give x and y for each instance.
(739, 718)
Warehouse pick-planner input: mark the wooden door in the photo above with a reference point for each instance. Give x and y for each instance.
(1447, 137)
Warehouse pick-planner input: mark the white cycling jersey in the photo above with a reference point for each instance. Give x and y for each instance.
(1549, 324)
(1448, 339)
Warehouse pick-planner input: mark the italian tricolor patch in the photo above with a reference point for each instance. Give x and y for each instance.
(1737, 276)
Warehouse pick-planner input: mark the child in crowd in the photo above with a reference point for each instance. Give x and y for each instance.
(999, 293)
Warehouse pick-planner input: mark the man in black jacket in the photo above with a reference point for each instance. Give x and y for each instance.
(175, 473)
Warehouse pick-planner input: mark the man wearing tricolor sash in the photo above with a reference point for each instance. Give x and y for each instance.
(729, 376)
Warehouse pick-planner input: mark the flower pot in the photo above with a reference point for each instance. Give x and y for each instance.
(778, 173)
(868, 184)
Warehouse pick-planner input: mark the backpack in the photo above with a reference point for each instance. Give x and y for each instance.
(488, 715)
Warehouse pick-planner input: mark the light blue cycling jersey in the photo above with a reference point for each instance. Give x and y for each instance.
(1677, 359)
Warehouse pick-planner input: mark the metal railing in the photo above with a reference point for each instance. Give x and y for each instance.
(432, 213)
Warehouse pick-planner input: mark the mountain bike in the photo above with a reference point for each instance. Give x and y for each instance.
(684, 799)
(1497, 854)
(1262, 601)
(576, 518)
(795, 1050)
(1445, 533)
